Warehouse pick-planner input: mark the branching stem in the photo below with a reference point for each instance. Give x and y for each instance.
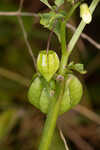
(55, 103)
(80, 28)
(65, 54)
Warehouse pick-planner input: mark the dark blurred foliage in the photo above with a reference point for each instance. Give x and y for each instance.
(20, 123)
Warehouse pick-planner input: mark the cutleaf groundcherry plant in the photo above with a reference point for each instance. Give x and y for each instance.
(54, 88)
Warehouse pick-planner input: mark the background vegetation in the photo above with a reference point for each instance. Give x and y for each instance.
(20, 123)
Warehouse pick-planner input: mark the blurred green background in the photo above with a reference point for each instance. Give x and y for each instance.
(20, 123)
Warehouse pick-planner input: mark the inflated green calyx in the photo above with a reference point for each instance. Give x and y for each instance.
(47, 64)
(72, 93)
(40, 93)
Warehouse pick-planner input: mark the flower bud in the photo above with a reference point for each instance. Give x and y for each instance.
(85, 13)
(47, 64)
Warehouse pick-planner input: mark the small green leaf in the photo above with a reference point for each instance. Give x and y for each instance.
(80, 68)
(46, 3)
(77, 67)
(48, 21)
(57, 29)
(59, 2)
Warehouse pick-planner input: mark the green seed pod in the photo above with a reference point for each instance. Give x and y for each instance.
(76, 90)
(44, 101)
(52, 84)
(34, 91)
(40, 92)
(72, 93)
(46, 93)
(65, 103)
(47, 64)
(85, 13)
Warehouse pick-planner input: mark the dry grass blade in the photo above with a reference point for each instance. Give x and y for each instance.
(17, 13)
(85, 36)
(77, 140)
(26, 40)
(87, 113)
(63, 139)
(21, 5)
(14, 76)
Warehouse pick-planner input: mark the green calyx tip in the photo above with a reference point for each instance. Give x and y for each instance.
(47, 64)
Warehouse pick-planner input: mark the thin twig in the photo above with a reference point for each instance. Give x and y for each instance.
(25, 33)
(88, 113)
(77, 139)
(17, 13)
(49, 38)
(14, 76)
(21, 5)
(85, 36)
(63, 139)
(26, 40)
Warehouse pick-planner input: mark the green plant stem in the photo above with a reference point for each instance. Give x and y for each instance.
(52, 116)
(63, 36)
(55, 103)
(65, 55)
(76, 36)
(80, 28)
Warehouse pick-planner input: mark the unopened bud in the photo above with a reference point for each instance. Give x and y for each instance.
(85, 13)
